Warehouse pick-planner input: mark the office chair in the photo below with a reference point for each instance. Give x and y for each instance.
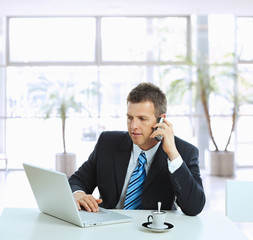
(239, 200)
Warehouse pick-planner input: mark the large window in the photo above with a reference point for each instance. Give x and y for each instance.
(143, 39)
(51, 40)
(101, 59)
(245, 40)
(245, 88)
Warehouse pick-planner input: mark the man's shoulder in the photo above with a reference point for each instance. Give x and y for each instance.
(115, 140)
(180, 143)
(114, 136)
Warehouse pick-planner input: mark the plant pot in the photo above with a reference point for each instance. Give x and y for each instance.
(222, 163)
(65, 163)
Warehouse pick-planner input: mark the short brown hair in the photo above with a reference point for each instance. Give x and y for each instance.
(149, 92)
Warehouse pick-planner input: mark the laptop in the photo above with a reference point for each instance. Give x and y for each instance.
(54, 197)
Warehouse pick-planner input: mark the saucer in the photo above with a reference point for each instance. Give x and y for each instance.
(148, 225)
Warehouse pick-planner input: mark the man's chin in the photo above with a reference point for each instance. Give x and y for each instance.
(144, 145)
(137, 140)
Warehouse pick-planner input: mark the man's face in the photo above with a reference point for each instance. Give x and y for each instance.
(140, 119)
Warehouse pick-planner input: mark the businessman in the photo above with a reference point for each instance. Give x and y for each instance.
(134, 170)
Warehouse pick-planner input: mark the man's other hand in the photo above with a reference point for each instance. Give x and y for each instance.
(87, 201)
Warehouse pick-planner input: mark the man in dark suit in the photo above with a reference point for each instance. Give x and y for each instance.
(171, 169)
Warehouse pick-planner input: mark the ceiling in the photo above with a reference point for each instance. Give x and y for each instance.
(123, 7)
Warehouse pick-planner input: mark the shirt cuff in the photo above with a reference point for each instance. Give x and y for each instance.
(78, 191)
(175, 164)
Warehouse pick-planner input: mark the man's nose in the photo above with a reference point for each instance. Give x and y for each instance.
(134, 124)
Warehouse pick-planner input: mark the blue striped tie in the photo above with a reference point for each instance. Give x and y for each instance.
(135, 186)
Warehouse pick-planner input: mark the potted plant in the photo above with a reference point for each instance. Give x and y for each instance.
(221, 160)
(58, 98)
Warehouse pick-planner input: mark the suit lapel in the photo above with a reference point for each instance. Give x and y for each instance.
(157, 167)
(121, 161)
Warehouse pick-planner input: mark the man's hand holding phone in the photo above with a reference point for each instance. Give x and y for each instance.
(164, 130)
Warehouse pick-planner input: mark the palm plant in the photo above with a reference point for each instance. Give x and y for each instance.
(205, 85)
(58, 99)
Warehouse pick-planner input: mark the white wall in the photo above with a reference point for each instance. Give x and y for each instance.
(123, 7)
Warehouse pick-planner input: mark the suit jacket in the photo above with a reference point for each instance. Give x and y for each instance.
(107, 166)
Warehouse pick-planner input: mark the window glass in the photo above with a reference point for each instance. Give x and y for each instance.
(244, 140)
(29, 89)
(123, 39)
(245, 88)
(143, 39)
(51, 39)
(245, 91)
(2, 40)
(222, 85)
(221, 38)
(245, 39)
(221, 103)
(116, 83)
(55, 53)
(175, 82)
(168, 38)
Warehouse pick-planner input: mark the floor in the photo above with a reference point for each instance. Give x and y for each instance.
(15, 192)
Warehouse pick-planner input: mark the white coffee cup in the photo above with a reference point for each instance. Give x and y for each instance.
(158, 219)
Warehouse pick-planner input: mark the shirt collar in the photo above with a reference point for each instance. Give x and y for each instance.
(150, 154)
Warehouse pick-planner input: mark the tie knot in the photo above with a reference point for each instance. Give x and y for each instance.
(142, 158)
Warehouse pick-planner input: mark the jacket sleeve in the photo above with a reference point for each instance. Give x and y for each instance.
(85, 177)
(187, 183)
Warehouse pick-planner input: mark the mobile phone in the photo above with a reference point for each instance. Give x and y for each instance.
(159, 137)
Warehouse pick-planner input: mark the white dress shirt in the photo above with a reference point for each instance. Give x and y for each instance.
(150, 154)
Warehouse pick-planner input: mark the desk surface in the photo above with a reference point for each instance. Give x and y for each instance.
(31, 224)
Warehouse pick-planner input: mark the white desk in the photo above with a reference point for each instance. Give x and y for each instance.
(31, 224)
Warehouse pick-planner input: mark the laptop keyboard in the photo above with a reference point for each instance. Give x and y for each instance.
(91, 216)
(104, 216)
